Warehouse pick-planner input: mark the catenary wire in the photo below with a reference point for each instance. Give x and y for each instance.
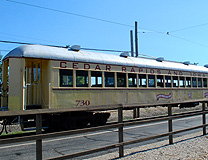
(188, 27)
(108, 21)
(94, 49)
(80, 15)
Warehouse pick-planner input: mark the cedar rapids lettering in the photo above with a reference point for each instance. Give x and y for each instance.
(124, 69)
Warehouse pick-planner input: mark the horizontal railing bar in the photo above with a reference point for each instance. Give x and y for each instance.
(162, 135)
(85, 152)
(91, 108)
(79, 131)
(60, 110)
(55, 134)
(123, 143)
(162, 118)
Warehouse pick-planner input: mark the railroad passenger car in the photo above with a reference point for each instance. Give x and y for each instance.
(36, 76)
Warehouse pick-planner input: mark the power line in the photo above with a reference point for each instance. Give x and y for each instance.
(26, 37)
(83, 16)
(25, 43)
(187, 40)
(189, 27)
(70, 13)
(93, 49)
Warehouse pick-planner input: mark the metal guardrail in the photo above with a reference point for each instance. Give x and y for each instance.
(120, 124)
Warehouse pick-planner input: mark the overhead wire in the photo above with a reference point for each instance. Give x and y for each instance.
(169, 33)
(195, 26)
(25, 37)
(93, 49)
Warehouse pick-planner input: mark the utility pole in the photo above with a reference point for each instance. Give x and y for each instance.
(132, 45)
(136, 39)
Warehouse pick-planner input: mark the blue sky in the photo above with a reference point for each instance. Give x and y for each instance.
(185, 20)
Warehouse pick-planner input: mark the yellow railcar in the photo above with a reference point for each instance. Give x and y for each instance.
(37, 76)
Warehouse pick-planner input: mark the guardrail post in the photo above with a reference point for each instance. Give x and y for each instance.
(204, 118)
(170, 124)
(136, 112)
(120, 131)
(38, 142)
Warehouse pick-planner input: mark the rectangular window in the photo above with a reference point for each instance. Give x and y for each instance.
(121, 79)
(160, 81)
(109, 79)
(38, 72)
(151, 80)
(199, 82)
(34, 73)
(96, 79)
(132, 80)
(66, 78)
(182, 82)
(194, 84)
(167, 81)
(204, 82)
(81, 78)
(175, 81)
(142, 80)
(188, 81)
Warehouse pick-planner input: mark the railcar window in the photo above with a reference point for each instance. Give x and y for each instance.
(204, 82)
(188, 81)
(82, 78)
(175, 81)
(182, 82)
(38, 76)
(34, 73)
(132, 79)
(121, 79)
(142, 80)
(160, 81)
(194, 84)
(109, 79)
(199, 82)
(167, 81)
(96, 79)
(66, 78)
(151, 80)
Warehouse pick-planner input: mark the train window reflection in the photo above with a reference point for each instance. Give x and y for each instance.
(132, 80)
(34, 73)
(199, 82)
(82, 78)
(175, 81)
(160, 81)
(96, 79)
(194, 84)
(121, 79)
(109, 79)
(167, 81)
(204, 82)
(188, 81)
(181, 82)
(151, 80)
(66, 78)
(142, 80)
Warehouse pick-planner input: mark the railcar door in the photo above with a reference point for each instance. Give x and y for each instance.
(33, 85)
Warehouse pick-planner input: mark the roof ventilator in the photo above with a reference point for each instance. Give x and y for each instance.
(75, 47)
(186, 63)
(124, 54)
(206, 65)
(160, 59)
